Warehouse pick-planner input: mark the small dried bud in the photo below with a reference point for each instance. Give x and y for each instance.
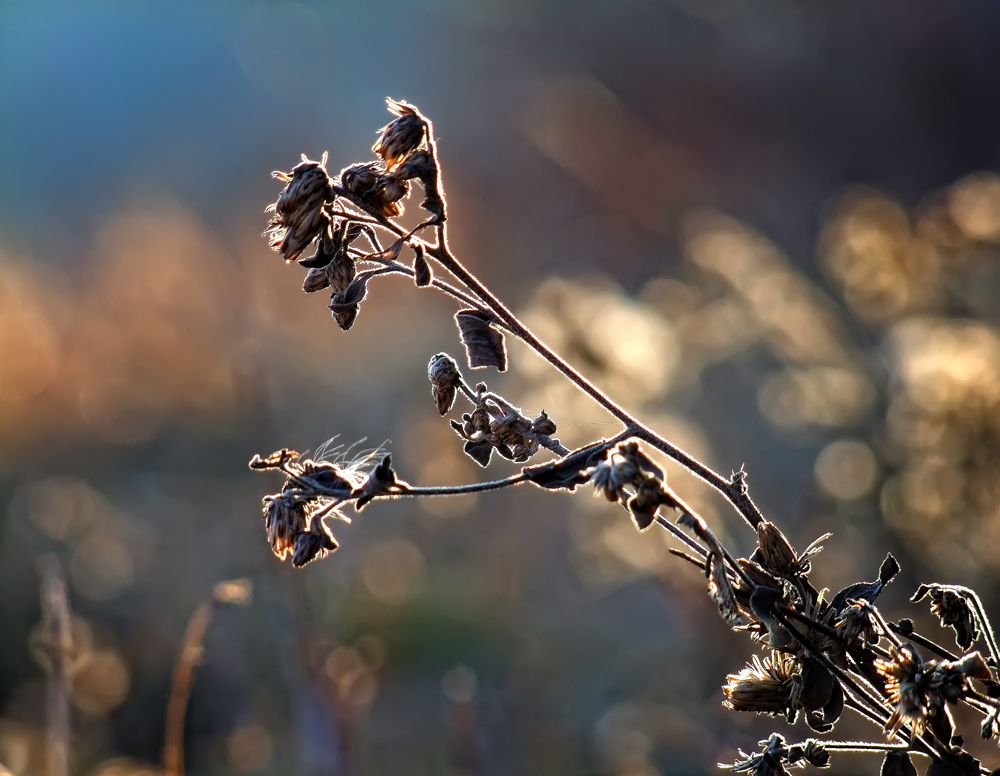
(360, 179)
(382, 481)
(300, 214)
(422, 272)
(315, 543)
(543, 424)
(812, 751)
(393, 188)
(777, 555)
(445, 377)
(316, 280)
(401, 136)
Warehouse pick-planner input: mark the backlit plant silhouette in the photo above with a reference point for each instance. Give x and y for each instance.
(821, 654)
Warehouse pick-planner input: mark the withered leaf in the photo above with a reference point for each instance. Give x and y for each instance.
(484, 345)
(867, 591)
(897, 764)
(817, 685)
(963, 764)
(480, 452)
(888, 569)
(720, 590)
(565, 473)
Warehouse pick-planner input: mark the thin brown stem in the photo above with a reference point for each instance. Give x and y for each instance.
(180, 687)
(57, 644)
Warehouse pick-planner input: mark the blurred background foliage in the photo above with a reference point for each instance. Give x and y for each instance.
(772, 228)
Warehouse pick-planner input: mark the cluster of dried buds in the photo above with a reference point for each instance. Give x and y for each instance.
(820, 655)
(494, 423)
(775, 754)
(313, 491)
(333, 214)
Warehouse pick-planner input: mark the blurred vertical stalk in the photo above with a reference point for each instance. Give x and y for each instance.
(233, 592)
(57, 642)
(180, 687)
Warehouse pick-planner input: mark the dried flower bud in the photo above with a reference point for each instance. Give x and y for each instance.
(382, 481)
(423, 275)
(812, 751)
(284, 520)
(316, 280)
(315, 543)
(393, 189)
(401, 136)
(543, 424)
(300, 214)
(445, 377)
(360, 179)
(776, 553)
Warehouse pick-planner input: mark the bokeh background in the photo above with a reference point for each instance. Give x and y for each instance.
(771, 227)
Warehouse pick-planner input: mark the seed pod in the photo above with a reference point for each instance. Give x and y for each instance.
(443, 373)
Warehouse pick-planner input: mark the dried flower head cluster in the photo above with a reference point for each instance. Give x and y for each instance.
(820, 655)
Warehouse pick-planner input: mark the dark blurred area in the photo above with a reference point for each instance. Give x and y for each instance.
(771, 228)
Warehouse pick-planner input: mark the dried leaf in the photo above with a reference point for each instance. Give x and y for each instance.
(484, 345)
(963, 764)
(480, 451)
(897, 764)
(720, 590)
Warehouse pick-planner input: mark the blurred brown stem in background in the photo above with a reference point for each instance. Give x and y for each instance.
(234, 592)
(56, 642)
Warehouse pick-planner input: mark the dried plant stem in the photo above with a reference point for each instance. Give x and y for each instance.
(734, 490)
(57, 642)
(180, 687)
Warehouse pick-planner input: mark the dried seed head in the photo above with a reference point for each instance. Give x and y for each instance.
(920, 689)
(763, 687)
(313, 489)
(401, 136)
(284, 520)
(445, 377)
(855, 622)
(300, 214)
(619, 469)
